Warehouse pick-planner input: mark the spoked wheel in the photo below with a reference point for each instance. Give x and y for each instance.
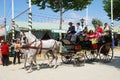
(66, 58)
(79, 60)
(91, 55)
(106, 53)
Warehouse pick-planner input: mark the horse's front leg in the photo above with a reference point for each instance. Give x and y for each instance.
(31, 64)
(25, 60)
(35, 62)
(50, 54)
(56, 59)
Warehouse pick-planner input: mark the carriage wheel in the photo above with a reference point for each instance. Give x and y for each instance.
(79, 60)
(66, 58)
(91, 55)
(106, 53)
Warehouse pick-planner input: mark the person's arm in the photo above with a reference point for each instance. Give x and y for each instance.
(68, 31)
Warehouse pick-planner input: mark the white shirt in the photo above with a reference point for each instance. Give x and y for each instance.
(79, 29)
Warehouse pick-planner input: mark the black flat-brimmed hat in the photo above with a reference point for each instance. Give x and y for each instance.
(70, 23)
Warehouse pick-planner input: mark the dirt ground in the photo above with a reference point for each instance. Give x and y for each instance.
(90, 71)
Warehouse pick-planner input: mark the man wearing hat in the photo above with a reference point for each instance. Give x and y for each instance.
(71, 30)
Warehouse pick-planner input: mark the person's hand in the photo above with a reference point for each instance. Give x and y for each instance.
(68, 32)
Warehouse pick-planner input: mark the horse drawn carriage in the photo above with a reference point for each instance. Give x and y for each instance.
(72, 53)
(100, 49)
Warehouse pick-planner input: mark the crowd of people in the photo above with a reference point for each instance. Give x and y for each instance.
(73, 32)
(5, 49)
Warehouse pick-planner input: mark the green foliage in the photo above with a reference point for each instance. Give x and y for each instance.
(66, 5)
(62, 5)
(116, 9)
(96, 21)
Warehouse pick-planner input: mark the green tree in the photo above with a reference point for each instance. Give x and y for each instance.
(96, 21)
(116, 9)
(62, 5)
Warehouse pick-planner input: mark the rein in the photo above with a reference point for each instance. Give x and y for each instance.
(27, 46)
(33, 47)
(40, 46)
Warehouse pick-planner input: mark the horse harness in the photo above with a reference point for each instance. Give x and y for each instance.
(40, 46)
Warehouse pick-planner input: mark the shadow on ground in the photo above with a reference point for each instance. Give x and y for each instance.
(41, 66)
(115, 62)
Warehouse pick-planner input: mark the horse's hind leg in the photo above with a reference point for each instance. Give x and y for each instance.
(50, 54)
(53, 55)
(56, 58)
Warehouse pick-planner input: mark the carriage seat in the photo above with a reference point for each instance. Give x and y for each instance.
(70, 46)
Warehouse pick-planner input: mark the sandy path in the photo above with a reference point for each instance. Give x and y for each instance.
(91, 71)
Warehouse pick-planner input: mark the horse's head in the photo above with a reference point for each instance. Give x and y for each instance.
(23, 39)
(27, 37)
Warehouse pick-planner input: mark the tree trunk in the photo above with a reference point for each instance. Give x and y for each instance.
(60, 26)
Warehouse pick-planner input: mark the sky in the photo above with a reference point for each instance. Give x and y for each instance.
(95, 10)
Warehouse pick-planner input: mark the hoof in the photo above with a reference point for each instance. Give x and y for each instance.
(55, 66)
(29, 71)
(38, 68)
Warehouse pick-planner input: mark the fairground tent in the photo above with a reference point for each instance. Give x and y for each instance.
(42, 25)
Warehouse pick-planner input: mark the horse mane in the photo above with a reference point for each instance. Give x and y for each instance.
(30, 36)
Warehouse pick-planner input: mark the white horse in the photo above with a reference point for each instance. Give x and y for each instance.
(34, 45)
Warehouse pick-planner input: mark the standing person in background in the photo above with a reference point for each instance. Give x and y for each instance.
(17, 52)
(5, 53)
(0, 55)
